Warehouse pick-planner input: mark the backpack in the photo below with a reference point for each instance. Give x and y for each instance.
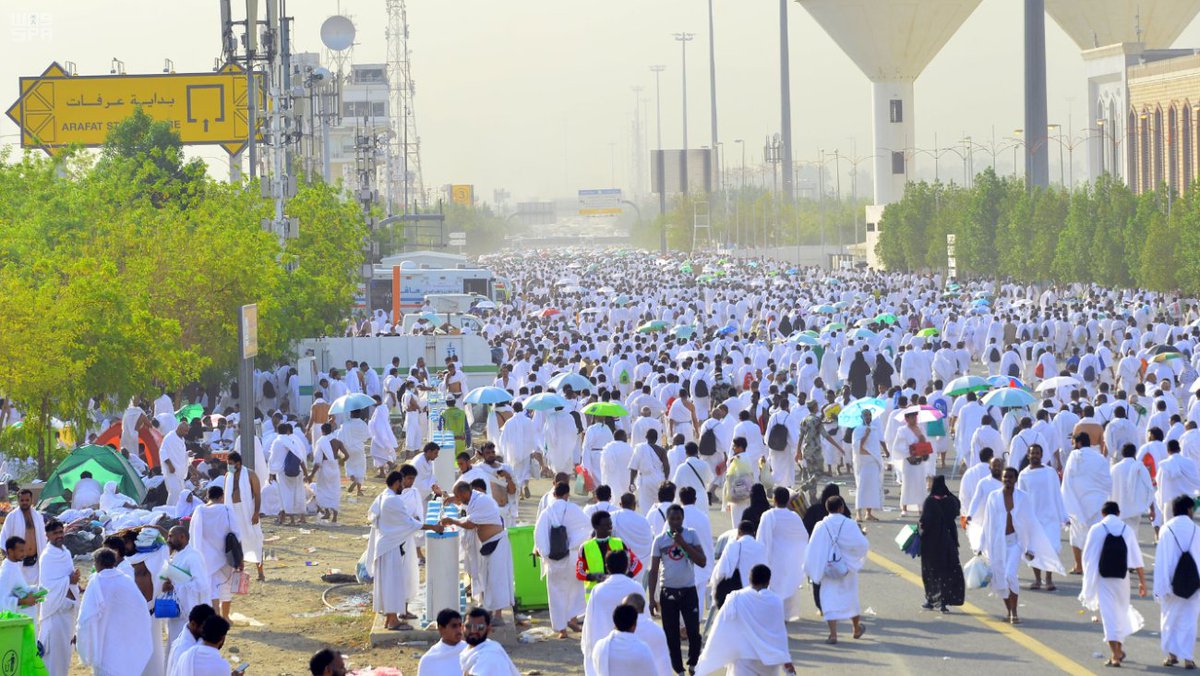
(268, 390)
(994, 355)
(1089, 373)
(559, 543)
(1114, 556)
(623, 377)
(701, 389)
(1039, 371)
(708, 442)
(1014, 370)
(740, 485)
(777, 438)
(291, 465)
(1186, 579)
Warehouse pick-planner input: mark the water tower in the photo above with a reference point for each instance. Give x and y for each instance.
(891, 41)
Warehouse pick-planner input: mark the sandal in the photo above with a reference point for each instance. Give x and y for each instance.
(832, 640)
(1051, 588)
(1035, 586)
(400, 627)
(858, 633)
(1111, 663)
(1170, 662)
(1188, 664)
(1014, 620)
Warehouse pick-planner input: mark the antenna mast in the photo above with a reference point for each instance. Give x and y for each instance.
(404, 120)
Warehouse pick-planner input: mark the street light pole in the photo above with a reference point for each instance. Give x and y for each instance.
(683, 39)
(659, 169)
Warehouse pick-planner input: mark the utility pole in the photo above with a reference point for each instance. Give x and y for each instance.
(659, 169)
(251, 92)
(366, 149)
(683, 39)
(1037, 156)
(712, 88)
(785, 96)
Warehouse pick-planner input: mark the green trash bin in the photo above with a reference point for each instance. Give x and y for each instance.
(12, 640)
(531, 591)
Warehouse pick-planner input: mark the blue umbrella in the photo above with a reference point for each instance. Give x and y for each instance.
(683, 331)
(864, 333)
(350, 402)
(804, 339)
(825, 309)
(545, 401)
(793, 271)
(851, 416)
(841, 305)
(1009, 397)
(981, 301)
(1006, 381)
(573, 380)
(487, 395)
(726, 330)
(980, 310)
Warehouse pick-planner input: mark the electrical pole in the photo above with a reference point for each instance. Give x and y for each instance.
(785, 96)
(712, 88)
(366, 149)
(683, 39)
(659, 169)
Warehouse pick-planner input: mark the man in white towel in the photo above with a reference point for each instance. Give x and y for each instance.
(784, 539)
(190, 635)
(605, 598)
(749, 633)
(112, 633)
(1179, 612)
(632, 528)
(1106, 581)
(621, 652)
(652, 635)
(243, 493)
(566, 594)
(1132, 488)
(1087, 484)
(204, 658)
(483, 656)
(288, 469)
(210, 528)
(172, 455)
(1177, 475)
(1042, 484)
(56, 622)
(392, 524)
(1011, 533)
(30, 525)
(837, 575)
(383, 438)
(12, 580)
(186, 575)
(443, 658)
(738, 557)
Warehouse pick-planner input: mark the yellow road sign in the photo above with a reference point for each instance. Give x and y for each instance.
(463, 194)
(56, 109)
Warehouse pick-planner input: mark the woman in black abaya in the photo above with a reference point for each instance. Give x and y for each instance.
(940, 570)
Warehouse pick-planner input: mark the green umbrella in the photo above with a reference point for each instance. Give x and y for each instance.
(810, 332)
(833, 326)
(928, 333)
(684, 331)
(189, 413)
(886, 318)
(606, 409)
(652, 326)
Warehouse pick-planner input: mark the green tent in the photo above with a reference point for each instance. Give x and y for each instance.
(104, 464)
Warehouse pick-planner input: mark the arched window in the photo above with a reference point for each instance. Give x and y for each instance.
(1170, 139)
(1158, 139)
(1187, 151)
(1137, 154)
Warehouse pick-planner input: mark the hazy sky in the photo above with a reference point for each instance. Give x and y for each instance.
(531, 95)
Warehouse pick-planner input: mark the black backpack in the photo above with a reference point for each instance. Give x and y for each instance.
(777, 437)
(1089, 373)
(701, 389)
(1186, 579)
(1014, 370)
(1114, 556)
(559, 543)
(994, 355)
(268, 390)
(708, 442)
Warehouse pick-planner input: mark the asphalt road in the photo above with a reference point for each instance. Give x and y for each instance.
(1056, 634)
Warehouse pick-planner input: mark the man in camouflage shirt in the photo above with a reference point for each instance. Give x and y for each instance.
(809, 454)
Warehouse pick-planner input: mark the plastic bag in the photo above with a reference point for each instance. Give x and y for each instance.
(362, 571)
(166, 606)
(977, 572)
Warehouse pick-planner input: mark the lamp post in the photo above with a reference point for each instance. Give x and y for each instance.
(683, 39)
(712, 88)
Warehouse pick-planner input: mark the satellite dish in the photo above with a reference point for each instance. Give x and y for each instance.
(337, 33)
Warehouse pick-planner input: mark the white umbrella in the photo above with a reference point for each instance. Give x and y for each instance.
(1057, 383)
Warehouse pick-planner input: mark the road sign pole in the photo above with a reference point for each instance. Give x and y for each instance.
(248, 343)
